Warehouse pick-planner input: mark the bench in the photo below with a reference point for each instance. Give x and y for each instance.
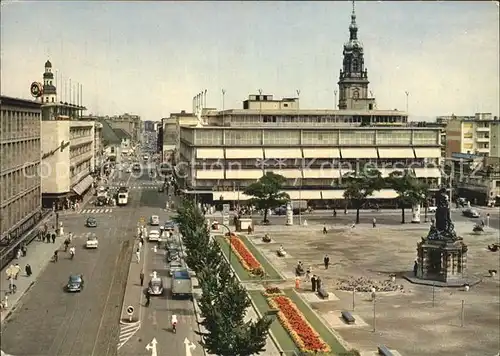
(348, 318)
(383, 350)
(323, 293)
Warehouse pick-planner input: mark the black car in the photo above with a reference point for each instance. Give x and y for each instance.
(91, 222)
(75, 283)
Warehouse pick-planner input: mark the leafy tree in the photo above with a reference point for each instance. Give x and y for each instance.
(224, 300)
(410, 190)
(360, 186)
(267, 192)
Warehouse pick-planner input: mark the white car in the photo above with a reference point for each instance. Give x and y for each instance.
(154, 235)
(154, 220)
(92, 242)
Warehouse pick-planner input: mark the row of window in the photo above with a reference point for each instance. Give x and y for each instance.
(293, 137)
(18, 124)
(77, 132)
(17, 210)
(18, 153)
(77, 151)
(82, 167)
(19, 181)
(311, 119)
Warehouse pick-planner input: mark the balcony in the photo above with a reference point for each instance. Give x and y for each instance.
(483, 129)
(482, 139)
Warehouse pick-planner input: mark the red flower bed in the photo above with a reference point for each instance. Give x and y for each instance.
(272, 292)
(306, 338)
(246, 257)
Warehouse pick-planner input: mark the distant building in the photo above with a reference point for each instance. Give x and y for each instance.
(111, 142)
(149, 126)
(99, 158)
(495, 139)
(128, 122)
(469, 134)
(171, 132)
(125, 141)
(20, 183)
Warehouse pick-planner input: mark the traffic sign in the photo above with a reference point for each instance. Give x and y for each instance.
(130, 310)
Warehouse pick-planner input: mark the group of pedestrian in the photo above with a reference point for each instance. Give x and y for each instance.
(67, 248)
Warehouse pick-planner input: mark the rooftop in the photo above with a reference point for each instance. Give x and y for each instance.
(305, 112)
(108, 134)
(11, 101)
(122, 134)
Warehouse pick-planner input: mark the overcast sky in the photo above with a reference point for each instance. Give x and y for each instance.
(151, 58)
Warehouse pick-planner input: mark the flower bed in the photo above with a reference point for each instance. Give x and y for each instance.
(302, 333)
(272, 292)
(247, 259)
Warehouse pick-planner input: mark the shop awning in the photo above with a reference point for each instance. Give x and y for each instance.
(321, 152)
(406, 152)
(237, 153)
(429, 152)
(210, 174)
(80, 187)
(322, 173)
(217, 196)
(209, 153)
(287, 153)
(244, 174)
(384, 194)
(358, 152)
(287, 173)
(427, 172)
(332, 194)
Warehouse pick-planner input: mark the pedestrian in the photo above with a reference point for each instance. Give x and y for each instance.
(313, 283)
(325, 231)
(318, 284)
(28, 270)
(18, 253)
(17, 269)
(374, 222)
(53, 238)
(326, 261)
(334, 212)
(66, 244)
(142, 240)
(24, 250)
(415, 268)
(138, 255)
(148, 299)
(55, 255)
(141, 276)
(140, 245)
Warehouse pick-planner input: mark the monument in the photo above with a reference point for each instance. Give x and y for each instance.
(442, 255)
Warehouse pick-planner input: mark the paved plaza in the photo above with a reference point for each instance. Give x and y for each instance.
(403, 318)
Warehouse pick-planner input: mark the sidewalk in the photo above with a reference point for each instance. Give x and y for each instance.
(38, 257)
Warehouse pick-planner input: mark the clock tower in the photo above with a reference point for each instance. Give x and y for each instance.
(353, 79)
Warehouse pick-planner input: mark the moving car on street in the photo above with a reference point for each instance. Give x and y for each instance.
(155, 286)
(75, 283)
(154, 220)
(470, 213)
(181, 284)
(154, 236)
(91, 222)
(92, 242)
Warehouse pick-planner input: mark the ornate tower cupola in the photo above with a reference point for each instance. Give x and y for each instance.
(353, 79)
(49, 89)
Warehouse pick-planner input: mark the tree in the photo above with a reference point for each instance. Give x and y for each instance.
(410, 190)
(358, 187)
(224, 300)
(267, 192)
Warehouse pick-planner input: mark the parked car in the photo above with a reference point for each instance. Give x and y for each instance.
(91, 222)
(154, 220)
(470, 213)
(173, 255)
(155, 286)
(75, 283)
(154, 235)
(175, 266)
(169, 226)
(92, 242)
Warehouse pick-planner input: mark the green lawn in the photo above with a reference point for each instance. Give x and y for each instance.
(281, 335)
(316, 323)
(245, 275)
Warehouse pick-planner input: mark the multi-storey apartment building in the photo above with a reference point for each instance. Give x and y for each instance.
(20, 192)
(171, 132)
(68, 149)
(99, 157)
(469, 135)
(130, 123)
(495, 139)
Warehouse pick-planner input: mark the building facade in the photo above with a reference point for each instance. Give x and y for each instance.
(99, 157)
(68, 149)
(20, 183)
(469, 135)
(495, 139)
(130, 123)
(126, 147)
(171, 133)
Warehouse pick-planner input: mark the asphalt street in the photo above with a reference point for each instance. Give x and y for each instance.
(55, 323)
(155, 319)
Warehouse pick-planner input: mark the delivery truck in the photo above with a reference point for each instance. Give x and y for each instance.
(181, 284)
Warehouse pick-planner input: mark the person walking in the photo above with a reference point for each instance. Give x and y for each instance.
(56, 257)
(148, 299)
(28, 270)
(325, 231)
(138, 255)
(326, 261)
(24, 250)
(17, 269)
(141, 276)
(374, 222)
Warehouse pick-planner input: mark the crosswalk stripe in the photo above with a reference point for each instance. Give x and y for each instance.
(126, 332)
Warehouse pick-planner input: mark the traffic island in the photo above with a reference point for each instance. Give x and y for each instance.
(248, 264)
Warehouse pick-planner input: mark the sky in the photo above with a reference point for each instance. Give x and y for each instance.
(151, 58)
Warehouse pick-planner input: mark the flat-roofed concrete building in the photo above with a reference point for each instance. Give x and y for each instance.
(20, 191)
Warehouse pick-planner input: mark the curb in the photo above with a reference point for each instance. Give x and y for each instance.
(133, 323)
(265, 257)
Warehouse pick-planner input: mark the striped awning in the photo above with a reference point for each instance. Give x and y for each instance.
(80, 187)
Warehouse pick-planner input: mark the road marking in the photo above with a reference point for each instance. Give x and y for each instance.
(152, 346)
(189, 346)
(126, 332)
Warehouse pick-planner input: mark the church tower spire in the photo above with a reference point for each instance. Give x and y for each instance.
(353, 78)
(49, 89)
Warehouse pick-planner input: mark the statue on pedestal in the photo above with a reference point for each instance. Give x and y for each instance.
(443, 229)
